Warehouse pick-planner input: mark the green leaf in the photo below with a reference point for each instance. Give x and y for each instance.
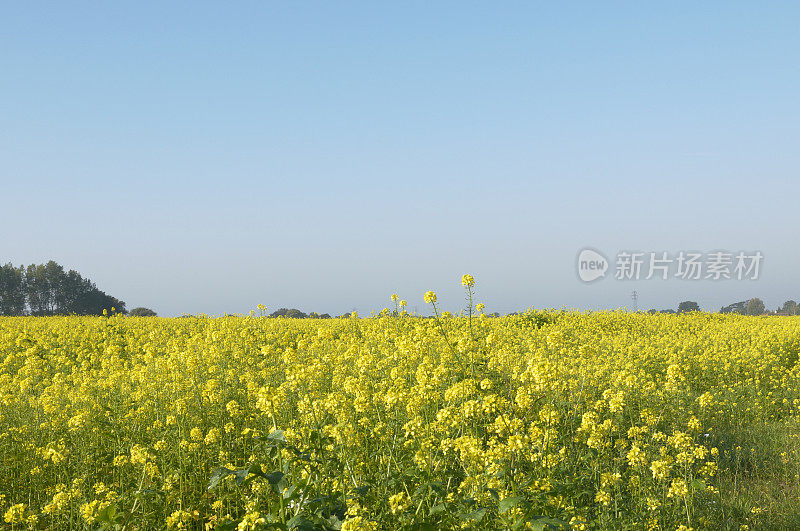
(276, 438)
(144, 492)
(240, 475)
(218, 475)
(333, 523)
(359, 492)
(289, 492)
(107, 514)
(248, 474)
(275, 477)
(547, 524)
(508, 503)
(476, 515)
(227, 525)
(301, 523)
(436, 509)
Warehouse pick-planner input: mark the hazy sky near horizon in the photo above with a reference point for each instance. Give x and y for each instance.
(207, 157)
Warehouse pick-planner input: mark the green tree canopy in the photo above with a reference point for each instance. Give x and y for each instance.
(755, 306)
(736, 307)
(12, 290)
(142, 312)
(46, 289)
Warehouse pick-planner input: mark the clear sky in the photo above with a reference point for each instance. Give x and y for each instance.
(207, 157)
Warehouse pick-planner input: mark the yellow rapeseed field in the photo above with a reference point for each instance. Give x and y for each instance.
(607, 420)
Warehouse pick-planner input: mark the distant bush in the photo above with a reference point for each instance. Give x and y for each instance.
(292, 313)
(142, 312)
(688, 306)
(736, 307)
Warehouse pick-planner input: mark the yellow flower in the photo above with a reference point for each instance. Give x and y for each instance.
(577, 524)
(430, 297)
(15, 514)
(212, 436)
(399, 502)
(251, 522)
(603, 497)
(179, 520)
(467, 281)
(90, 510)
(610, 478)
(678, 489)
(358, 523)
(636, 457)
(660, 469)
(234, 409)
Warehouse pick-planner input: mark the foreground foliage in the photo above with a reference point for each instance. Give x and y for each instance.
(543, 420)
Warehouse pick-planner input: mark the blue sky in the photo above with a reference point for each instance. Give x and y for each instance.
(208, 157)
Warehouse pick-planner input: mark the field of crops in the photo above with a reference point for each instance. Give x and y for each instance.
(607, 420)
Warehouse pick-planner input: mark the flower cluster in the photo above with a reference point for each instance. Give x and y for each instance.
(595, 420)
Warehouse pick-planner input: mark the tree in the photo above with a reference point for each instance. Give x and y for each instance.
(736, 307)
(142, 312)
(37, 290)
(12, 290)
(755, 306)
(293, 313)
(688, 306)
(790, 308)
(57, 296)
(51, 291)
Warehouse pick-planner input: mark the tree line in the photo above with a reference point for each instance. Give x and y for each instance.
(294, 313)
(46, 289)
(754, 306)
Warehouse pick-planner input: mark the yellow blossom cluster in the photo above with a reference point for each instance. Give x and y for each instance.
(591, 420)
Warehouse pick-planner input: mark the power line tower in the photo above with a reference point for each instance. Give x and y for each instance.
(635, 298)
